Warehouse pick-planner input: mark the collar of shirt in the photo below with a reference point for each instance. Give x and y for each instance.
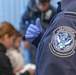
(64, 4)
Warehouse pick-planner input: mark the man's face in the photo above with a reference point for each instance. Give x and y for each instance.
(43, 6)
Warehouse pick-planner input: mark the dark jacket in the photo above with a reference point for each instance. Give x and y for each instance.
(5, 65)
(56, 52)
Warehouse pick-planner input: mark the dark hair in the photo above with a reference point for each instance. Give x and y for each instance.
(6, 28)
(17, 34)
(42, 1)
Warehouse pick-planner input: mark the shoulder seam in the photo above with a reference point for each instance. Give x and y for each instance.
(69, 12)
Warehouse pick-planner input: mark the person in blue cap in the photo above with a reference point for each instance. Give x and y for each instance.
(56, 52)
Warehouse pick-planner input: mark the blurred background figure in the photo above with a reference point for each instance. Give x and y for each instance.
(7, 34)
(15, 54)
(16, 57)
(36, 9)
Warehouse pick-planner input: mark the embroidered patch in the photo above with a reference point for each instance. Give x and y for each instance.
(63, 41)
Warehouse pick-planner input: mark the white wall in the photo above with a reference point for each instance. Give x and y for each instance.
(10, 11)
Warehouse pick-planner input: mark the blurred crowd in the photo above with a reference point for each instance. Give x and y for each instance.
(14, 58)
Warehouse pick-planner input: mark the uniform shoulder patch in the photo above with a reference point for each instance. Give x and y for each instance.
(63, 42)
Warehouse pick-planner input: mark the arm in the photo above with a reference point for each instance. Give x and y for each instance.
(37, 40)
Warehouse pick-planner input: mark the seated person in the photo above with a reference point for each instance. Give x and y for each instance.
(15, 54)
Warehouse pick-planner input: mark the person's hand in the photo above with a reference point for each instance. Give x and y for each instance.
(31, 71)
(26, 45)
(18, 69)
(34, 30)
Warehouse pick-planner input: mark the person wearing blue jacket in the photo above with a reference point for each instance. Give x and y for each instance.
(56, 51)
(36, 8)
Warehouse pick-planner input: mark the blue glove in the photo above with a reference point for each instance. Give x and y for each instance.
(34, 30)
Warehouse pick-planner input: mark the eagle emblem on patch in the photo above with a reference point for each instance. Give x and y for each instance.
(63, 41)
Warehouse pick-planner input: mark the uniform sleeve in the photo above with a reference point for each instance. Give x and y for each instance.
(5, 66)
(23, 19)
(37, 40)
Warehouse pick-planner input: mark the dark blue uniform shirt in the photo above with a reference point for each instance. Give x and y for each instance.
(56, 54)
